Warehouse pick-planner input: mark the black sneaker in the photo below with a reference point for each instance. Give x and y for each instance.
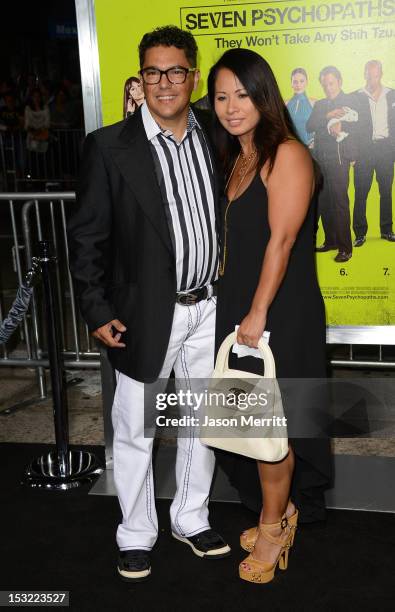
(206, 544)
(358, 242)
(342, 256)
(390, 237)
(325, 247)
(134, 565)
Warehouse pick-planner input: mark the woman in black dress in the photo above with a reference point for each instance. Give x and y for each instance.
(268, 282)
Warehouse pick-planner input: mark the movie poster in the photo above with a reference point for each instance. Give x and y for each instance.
(334, 64)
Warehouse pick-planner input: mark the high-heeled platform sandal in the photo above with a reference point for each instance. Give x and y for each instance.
(261, 572)
(249, 537)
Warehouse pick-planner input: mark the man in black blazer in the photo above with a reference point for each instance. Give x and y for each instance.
(144, 257)
(333, 121)
(376, 152)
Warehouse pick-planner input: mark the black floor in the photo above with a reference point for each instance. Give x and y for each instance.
(55, 540)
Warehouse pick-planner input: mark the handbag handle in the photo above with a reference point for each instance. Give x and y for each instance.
(223, 356)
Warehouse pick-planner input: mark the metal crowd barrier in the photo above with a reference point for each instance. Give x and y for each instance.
(20, 167)
(63, 468)
(26, 219)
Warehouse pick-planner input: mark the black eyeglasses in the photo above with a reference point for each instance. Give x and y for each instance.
(175, 75)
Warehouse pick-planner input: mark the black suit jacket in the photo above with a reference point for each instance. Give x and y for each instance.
(326, 149)
(121, 255)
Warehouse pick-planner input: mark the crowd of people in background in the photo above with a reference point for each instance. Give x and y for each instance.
(34, 113)
(32, 103)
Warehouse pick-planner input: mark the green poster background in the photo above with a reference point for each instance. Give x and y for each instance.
(311, 34)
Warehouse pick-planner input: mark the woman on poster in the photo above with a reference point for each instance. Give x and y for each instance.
(301, 105)
(133, 96)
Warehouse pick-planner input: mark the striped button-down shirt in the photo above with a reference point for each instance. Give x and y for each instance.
(185, 175)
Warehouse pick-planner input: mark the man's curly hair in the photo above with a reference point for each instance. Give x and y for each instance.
(169, 36)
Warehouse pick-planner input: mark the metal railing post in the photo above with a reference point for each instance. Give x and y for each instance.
(63, 469)
(42, 383)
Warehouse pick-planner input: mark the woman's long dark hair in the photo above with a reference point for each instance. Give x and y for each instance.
(126, 93)
(275, 125)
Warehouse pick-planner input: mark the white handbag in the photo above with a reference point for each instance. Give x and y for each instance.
(256, 431)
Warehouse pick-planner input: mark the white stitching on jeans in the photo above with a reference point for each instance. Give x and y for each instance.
(190, 450)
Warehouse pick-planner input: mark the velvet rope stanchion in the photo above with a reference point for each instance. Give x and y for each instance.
(20, 304)
(63, 468)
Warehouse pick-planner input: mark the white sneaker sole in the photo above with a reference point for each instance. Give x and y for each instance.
(137, 576)
(217, 553)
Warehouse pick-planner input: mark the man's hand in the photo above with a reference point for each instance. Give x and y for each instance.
(110, 333)
(338, 113)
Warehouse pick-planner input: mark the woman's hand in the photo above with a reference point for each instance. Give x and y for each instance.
(251, 329)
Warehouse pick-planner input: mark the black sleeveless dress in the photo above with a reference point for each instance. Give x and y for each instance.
(296, 321)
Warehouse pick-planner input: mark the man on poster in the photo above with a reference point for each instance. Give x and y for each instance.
(144, 257)
(376, 152)
(333, 121)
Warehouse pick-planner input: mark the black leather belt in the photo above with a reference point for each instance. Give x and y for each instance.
(202, 293)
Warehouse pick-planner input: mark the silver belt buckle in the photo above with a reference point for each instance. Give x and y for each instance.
(188, 299)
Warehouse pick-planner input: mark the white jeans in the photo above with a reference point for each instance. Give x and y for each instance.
(191, 354)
